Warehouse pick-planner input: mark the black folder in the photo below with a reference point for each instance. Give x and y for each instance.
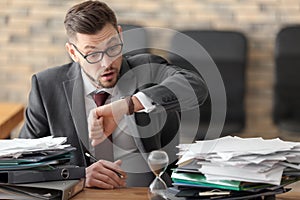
(53, 190)
(194, 194)
(68, 172)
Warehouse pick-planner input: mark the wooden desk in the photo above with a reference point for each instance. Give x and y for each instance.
(11, 114)
(141, 194)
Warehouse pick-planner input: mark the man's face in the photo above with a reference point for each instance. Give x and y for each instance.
(105, 72)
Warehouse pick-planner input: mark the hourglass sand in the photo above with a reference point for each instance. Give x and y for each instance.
(158, 161)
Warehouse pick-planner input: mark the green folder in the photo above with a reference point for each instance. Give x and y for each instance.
(33, 159)
(39, 162)
(198, 179)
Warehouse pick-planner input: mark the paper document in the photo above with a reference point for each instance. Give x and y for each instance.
(15, 147)
(242, 159)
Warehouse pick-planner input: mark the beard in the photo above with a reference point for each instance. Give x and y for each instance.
(109, 83)
(104, 84)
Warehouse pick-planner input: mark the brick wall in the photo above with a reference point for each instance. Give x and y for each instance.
(32, 38)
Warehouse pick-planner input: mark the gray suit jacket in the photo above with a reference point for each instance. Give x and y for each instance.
(56, 103)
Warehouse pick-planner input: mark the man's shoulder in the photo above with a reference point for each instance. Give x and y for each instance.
(145, 58)
(57, 71)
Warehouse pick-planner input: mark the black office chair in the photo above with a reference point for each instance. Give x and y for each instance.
(135, 39)
(228, 50)
(286, 107)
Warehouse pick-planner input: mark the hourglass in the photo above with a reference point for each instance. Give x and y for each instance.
(158, 161)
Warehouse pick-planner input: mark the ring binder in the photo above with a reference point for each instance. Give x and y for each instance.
(30, 176)
(53, 190)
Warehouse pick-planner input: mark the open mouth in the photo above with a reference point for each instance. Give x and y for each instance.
(108, 75)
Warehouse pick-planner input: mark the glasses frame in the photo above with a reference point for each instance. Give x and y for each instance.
(102, 52)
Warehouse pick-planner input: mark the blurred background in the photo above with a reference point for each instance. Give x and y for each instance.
(32, 38)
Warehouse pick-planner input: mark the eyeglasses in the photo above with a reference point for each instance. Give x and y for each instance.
(97, 56)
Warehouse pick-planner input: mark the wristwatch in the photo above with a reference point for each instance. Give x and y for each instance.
(130, 105)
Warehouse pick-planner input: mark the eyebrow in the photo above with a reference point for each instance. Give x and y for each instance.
(114, 38)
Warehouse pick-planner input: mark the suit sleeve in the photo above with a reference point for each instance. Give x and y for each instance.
(36, 123)
(174, 88)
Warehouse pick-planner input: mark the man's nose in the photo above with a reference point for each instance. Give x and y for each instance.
(106, 61)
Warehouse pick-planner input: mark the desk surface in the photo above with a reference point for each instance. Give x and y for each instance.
(141, 194)
(11, 114)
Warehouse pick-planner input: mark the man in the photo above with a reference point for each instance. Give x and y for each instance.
(141, 112)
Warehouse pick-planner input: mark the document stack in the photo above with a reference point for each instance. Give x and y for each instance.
(34, 167)
(233, 167)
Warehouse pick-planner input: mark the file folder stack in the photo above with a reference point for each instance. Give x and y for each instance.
(237, 165)
(26, 164)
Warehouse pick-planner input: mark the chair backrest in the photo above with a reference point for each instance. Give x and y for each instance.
(228, 49)
(287, 80)
(135, 39)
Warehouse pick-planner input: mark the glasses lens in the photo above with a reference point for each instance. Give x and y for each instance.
(114, 50)
(94, 57)
(111, 52)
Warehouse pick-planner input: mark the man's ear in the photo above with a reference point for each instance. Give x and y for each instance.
(120, 32)
(70, 49)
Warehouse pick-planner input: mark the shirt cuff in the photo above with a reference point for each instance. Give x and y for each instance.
(145, 101)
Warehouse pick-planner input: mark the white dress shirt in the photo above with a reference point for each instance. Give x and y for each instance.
(124, 144)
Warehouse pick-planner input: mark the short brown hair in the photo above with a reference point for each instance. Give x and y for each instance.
(88, 18)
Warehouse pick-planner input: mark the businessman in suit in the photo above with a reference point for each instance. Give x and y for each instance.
(140, 114)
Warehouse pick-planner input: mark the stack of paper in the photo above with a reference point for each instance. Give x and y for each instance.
(34, 160)
(28, 164)
(31, 153)
(236, 163)
(16, 147)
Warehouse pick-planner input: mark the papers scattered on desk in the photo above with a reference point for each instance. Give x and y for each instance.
(36, 160)
(250, 160)
(17, 147)
(19, 154)
(28, 168)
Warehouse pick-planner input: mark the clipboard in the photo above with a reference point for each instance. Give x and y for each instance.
(53, 190)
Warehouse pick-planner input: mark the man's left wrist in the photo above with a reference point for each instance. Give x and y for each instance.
(130, 105)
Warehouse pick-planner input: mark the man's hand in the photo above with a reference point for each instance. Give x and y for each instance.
(103, 120)
(104, 174)
(95, 127)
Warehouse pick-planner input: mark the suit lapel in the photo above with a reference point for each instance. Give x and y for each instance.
(74, 93)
